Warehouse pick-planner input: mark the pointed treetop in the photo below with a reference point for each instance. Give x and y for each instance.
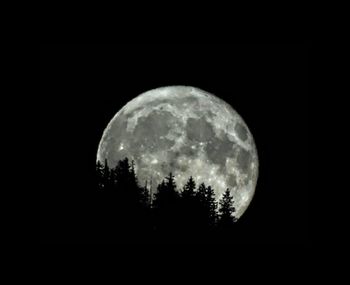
(171, 181)
(189, 188)
(226, 204)
(201, 193)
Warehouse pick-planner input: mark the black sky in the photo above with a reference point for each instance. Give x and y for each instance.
(82, 87)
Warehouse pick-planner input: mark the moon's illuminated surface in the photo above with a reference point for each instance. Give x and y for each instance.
(189, 132)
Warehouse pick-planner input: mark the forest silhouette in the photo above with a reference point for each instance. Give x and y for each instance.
(129, 212)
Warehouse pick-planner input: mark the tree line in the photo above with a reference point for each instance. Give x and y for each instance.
(133, 208)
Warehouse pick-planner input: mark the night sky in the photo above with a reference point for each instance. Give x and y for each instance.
(82, 87)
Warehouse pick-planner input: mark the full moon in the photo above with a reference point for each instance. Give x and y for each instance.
(189, 132)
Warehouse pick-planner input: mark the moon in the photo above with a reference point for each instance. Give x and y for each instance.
(189, 132)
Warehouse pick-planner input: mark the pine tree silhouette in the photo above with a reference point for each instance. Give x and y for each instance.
(99, 176)
(201, 193)
(166, 195)
(122, 173)
(207, 206)
(145, 197)
(226, 210)
(189, 214)
(126, 207)
(106, 176)
(166, 204)
(211, 206)
(189, 188)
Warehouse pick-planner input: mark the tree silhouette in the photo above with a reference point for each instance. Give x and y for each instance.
(166, 204)
(207, 206)
(122, 174)
(189, 188)
(126, 208)
(105, 176)
(201, 193)
(145, 197)
(226, 210)
(190, 211)
(166, 193)
(99, 176)
(171, 185)
(211, 206)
